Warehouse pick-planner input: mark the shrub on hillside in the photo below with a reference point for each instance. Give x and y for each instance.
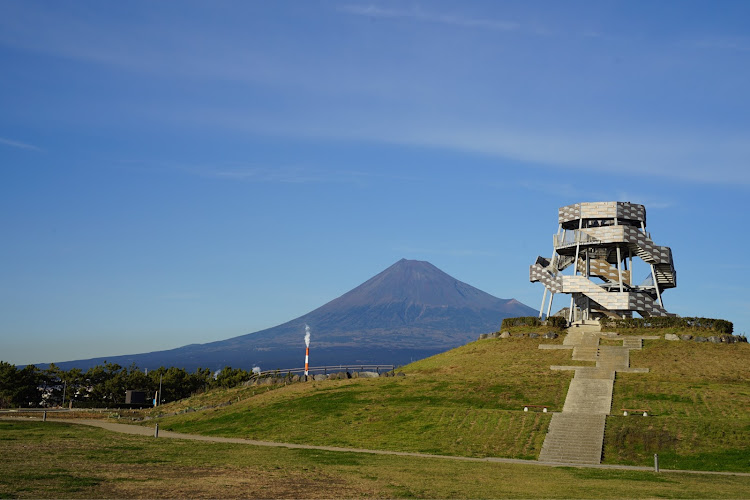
(521, 321)
(716, 325)
(557, 322)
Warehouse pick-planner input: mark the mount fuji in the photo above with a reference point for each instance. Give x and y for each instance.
(409, 311)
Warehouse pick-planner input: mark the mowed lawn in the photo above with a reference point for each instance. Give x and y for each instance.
(698, 395)
(56, 460)
(468, 401)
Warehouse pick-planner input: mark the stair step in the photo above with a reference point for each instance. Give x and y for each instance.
(574, 438)
(576, 435)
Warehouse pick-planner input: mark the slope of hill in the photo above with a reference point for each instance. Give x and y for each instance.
(409, 311)
(698, 396)
(462, 402)
(469, 401)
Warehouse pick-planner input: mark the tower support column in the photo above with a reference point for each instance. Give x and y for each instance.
(549, 305)
(656, 285)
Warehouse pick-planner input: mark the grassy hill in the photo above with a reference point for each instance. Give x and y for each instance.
(699, 396)
(469, 401)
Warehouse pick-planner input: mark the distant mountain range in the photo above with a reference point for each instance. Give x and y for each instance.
(409, 311)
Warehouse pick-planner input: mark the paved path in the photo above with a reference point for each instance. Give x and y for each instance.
(149, 431)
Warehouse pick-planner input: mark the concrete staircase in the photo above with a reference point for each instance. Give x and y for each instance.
(590, 392)
(633, 343)
(576, 435)
(574, 438)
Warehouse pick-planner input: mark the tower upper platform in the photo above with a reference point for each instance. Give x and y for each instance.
(626, 213)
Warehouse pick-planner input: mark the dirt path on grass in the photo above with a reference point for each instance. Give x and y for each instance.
(150, 431)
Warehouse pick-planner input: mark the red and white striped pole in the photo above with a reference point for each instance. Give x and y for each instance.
(307, 348)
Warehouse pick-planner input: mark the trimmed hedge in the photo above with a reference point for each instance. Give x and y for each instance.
(521, 321)
(557, 322)
(716, 325)
(554, 322)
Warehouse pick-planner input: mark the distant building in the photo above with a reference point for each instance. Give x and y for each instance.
(598, 241)
(135, 397)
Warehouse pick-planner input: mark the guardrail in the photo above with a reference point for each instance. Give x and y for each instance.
(16, 411)
(34, 410)
(325, 370)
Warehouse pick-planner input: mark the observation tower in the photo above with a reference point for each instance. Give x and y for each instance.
(598, 241)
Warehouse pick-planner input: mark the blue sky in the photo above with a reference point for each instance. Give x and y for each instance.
(182, 172)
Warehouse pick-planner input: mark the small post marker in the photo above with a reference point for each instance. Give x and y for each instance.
(656, 462)
(156, 431)
(544, 410)
(44, 418)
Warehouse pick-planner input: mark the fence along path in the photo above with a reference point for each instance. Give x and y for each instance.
(326, 369)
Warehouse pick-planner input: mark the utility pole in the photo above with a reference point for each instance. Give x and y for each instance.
(158, 401)
(65, 387)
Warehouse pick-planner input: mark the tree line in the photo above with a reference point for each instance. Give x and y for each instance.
(105, 385)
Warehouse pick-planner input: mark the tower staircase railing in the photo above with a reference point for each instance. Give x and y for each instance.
(572, 238)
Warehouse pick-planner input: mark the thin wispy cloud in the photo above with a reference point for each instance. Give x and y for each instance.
(431, 17)
(18, 144)
(706, 158)
(161, 47)
(414, 105)
(714, 157)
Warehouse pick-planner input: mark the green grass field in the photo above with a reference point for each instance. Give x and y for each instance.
(55, 460)
(464, 402)
(699, 397)
(468, 402)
